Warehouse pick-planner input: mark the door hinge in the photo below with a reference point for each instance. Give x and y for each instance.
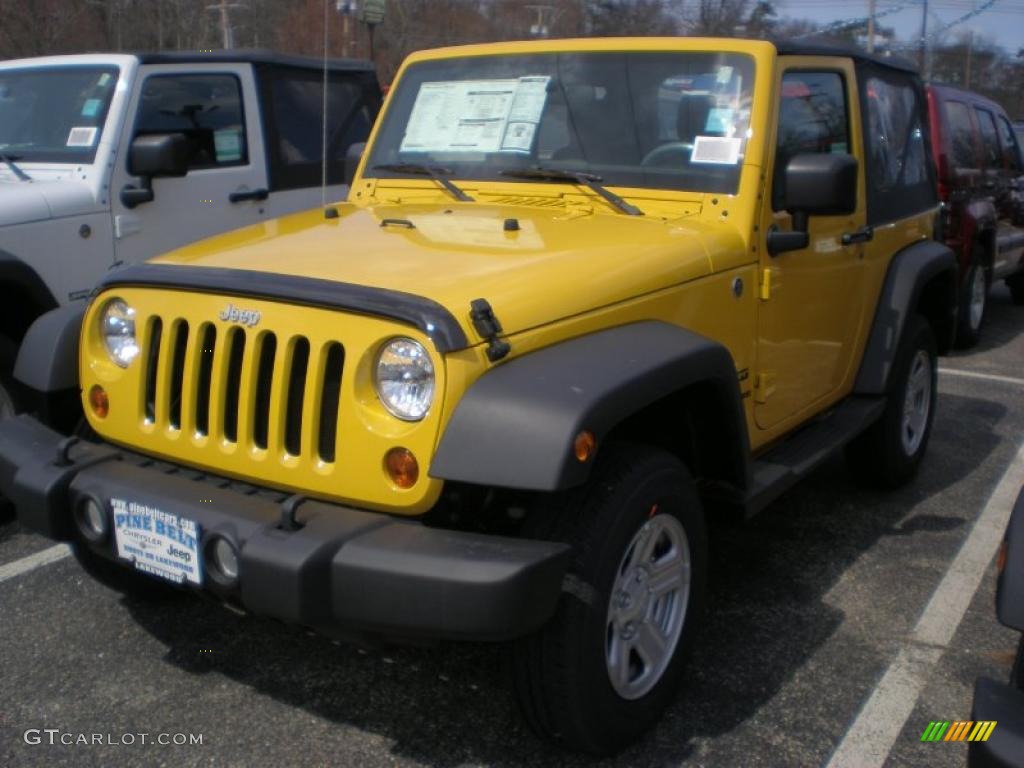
(764, 386)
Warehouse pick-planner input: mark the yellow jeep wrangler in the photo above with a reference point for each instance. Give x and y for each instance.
(584, 294)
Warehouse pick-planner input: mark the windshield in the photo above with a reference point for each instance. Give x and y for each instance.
(54, 114)
(647, 119)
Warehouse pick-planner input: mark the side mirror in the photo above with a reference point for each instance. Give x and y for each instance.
(353, 155)
(815, 185)
(160, 154)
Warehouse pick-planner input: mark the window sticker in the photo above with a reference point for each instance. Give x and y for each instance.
(476, 115)
(227, 143)
(724, 75)
(720, 120)
(82, 136)
(91, 108)
(716, 150)
(104, 79)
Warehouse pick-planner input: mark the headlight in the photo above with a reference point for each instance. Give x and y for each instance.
(404, 377)
(117, 327)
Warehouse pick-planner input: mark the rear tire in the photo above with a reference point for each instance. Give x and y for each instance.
(888, 453)
(1016, 285)
(973, 302)
(608, 663)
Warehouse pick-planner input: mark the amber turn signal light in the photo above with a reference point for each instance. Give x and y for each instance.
(584, 446)
(402, 467)
(1001, 558)
(98, 401)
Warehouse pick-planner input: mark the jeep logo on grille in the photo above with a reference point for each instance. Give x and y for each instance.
(233, 314)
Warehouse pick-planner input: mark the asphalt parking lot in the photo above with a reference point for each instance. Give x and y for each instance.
(834, 636)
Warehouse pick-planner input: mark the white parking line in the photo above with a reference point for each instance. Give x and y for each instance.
(38, 560)
(871, 736)
(983, 376)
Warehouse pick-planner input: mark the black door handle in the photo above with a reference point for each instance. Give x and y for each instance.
(252, 194)
(862, 235)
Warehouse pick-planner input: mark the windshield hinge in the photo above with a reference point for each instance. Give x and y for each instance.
(488, 326)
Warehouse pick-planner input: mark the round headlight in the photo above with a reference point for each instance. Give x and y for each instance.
(404, 377)
(117, 327)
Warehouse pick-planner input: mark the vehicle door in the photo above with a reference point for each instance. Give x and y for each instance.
(215, 107)
(811, 305)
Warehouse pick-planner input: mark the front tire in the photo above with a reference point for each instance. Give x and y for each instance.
(8, 353)
(606, 666)
(888, 453)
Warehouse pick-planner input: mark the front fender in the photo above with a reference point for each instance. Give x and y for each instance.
(48, 358)
(515, 427)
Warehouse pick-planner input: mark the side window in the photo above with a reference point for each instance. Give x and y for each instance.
(1008, 141)
(206, 108)
(989, 140)
(812, 118)
(961, 135)
(296, 140)
(896, 149)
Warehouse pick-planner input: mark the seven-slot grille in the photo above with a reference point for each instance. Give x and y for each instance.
(253, 388)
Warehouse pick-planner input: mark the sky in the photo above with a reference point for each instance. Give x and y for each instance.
(1002, 23)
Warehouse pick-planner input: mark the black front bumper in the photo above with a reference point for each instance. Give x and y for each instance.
(343, 571)
(1003, 705)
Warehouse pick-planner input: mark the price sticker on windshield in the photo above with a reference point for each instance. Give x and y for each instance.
(476, 115)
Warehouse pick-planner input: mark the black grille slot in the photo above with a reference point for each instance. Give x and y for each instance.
(330, 393)
(236, 354)
(177, 372)
(296, 392)
(156, 330)
(264, 379)
(207, 340)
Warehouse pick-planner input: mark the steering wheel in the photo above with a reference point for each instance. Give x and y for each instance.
(672, 147)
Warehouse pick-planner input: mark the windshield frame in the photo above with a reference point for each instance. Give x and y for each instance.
(97, 118)
(386, 142)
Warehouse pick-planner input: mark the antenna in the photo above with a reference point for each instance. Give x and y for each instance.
(323, 128)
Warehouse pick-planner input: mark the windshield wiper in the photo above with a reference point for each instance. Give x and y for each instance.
(588, 180)
(8, 160)
(437, 174)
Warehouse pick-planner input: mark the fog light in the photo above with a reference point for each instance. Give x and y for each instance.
(402, 467)
(92, 520)
(98, 401)
(225, 559)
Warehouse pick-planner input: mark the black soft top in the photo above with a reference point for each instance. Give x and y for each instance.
(253, 56)
(819, 48)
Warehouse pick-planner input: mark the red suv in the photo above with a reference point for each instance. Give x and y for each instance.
(981, 185)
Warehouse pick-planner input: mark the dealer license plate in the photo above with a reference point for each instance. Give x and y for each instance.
(159, 543)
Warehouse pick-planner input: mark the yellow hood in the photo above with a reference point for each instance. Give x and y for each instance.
(559, 262)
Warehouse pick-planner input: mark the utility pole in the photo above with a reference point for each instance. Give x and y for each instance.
(227, 34)
(871, 26)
